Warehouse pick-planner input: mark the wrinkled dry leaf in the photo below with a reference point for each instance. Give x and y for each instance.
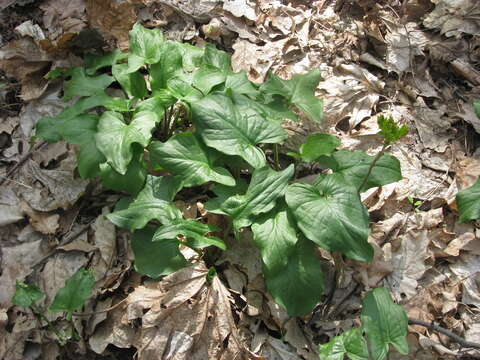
(240, 8)
(271, 348)
(63, 16)
(17, 263)
(164, 307)
(10, 211)
(43, 222)
(453, 18)
(404, 42)
(468, 272)
(105, 14)
(52, 189)
(351, 97)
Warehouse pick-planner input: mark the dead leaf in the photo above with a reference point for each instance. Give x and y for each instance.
(350, 97)
(453, 18)
(468, 272)
(53, 189)
(239, 8)
(17, 263)
(271, 348)
(63, 16)
(105, 14)
(42, 222)
(10, 211)
(209, 333)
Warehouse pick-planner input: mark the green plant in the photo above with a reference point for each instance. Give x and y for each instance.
(70, 298)
(383, 323)
(186, 113)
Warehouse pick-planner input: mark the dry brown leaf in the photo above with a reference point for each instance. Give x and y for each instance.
(404, 42)
(453, 18)
(351, 97)
(52, 189)
(10, 211)
(17, 263)
(63, 16)
(42, 222)
(239, 8)
(24, 60)
(468, 272)
(114, 19)
(182, 317)
(271, 348)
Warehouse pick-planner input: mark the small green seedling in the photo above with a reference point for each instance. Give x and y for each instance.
(390, 130)
(70, 298)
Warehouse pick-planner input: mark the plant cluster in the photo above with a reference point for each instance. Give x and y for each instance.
(167, 116)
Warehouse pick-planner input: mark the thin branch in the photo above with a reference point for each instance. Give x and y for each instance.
(441, 330)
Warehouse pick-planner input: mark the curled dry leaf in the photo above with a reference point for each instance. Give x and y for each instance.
(183, 317)
(63, 16)
(105, 14)
(17, 263)
(42, 222)
(59, 188)
(351, 96)
(453, 18)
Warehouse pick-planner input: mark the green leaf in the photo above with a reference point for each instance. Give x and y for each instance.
(26, 294)
(168, 66)
(298, 286)
(153, 202)
(76, 291)
(95, 62)
(224, 127)
(318, 145)
(476, 106)
(155, 259)
(300, 91)
(290, 267)
(192, 56)
(390, 130)
(145, 47)
(82, 85)
(219, 59)
(352, 167)
(332, 215)
(132, 83)
(350, 343)
(468, 201)
(132, 182)
(265, 187)
(115, 138)
(207, 77)
(185, 156)
(183, 90)
(239, 83)
(191, 229)
(275, 234)
(384, 323)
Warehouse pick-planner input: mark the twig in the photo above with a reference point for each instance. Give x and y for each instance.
(22, 161)
(451, 335)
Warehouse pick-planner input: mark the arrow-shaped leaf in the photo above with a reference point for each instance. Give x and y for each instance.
(265, 187)
(331, 214)
(184, 156)
(300, 91)
(76, 291)
(384, 323)
(153, 202)
(468, 201)
(224, 127)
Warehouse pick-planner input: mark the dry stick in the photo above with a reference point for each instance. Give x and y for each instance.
(451, 335)
(22, 161)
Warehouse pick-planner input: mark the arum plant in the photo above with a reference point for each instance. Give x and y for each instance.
(186, 114)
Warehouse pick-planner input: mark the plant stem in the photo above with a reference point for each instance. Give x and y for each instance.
(39, 312)
(372, 165)
(275, 155)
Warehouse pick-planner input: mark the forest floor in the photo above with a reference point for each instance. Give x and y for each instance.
(417, 61)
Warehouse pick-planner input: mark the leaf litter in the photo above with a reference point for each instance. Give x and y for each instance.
(412, 61)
